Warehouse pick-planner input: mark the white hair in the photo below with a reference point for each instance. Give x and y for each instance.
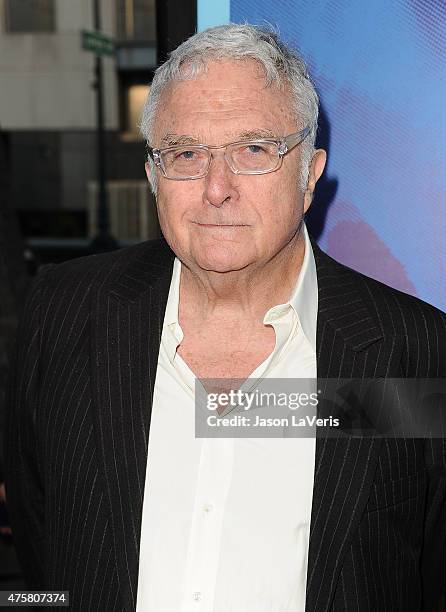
(282, 65)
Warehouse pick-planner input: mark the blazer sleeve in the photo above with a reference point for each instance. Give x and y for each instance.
(434, 546)
(24, 480)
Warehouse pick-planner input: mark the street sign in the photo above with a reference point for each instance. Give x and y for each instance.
(98, 43)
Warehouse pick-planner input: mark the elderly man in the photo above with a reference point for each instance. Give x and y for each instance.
(110, 347)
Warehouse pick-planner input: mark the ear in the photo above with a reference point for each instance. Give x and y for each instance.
(316, 168)
(150, 177)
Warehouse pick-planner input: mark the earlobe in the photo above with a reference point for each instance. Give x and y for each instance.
(316, 168)
(308, 198)
(151, 177)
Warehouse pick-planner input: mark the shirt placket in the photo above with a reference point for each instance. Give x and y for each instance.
(213, 484)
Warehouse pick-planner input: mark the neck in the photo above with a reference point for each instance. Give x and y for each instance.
(243, 294)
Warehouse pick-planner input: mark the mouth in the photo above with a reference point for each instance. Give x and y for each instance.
(220, 224)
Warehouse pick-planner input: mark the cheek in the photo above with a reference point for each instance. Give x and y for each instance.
(171, 203)
(167, 218)
(285, 206)
(175, 201)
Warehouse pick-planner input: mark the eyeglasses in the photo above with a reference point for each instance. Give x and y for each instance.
(260, 156)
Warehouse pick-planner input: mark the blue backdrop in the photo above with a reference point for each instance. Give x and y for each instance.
(380, 70)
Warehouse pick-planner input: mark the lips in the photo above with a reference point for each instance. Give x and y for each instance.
(220, 224)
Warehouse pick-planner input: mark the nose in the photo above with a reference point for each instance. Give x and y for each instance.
(220, 181)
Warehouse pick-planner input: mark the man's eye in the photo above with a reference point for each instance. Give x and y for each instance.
(185, 155)
(255, 149)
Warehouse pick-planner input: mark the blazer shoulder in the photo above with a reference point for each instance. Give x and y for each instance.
(381, 298)
(95, 271)
(397, 307)
(420, 326)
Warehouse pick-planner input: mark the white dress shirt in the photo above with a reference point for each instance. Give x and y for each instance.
(225, 523)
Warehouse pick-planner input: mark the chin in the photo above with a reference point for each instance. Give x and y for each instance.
(217, 260)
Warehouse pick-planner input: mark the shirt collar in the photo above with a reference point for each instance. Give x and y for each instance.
(171, 314)
(303, 300)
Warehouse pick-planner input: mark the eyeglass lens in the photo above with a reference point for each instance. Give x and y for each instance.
(246, 157)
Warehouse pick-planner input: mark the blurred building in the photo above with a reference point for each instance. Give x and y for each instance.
(48, 158)
(48, 112)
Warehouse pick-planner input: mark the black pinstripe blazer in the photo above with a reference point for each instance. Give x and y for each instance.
(78, 421)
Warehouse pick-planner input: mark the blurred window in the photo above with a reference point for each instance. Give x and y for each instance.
(135, 98)
(136, 20)
(29, 15)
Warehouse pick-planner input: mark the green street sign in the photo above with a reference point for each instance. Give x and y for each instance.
(98, 43)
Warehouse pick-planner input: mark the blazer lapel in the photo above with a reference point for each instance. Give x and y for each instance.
(127, 318)
(350, 344)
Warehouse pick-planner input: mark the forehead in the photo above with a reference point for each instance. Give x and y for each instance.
(229, 97)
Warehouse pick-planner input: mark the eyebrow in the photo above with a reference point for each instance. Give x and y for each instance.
(172, 139)
(254, 134)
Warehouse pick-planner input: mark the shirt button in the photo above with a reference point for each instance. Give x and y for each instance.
(208, 507)
(197, 596)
